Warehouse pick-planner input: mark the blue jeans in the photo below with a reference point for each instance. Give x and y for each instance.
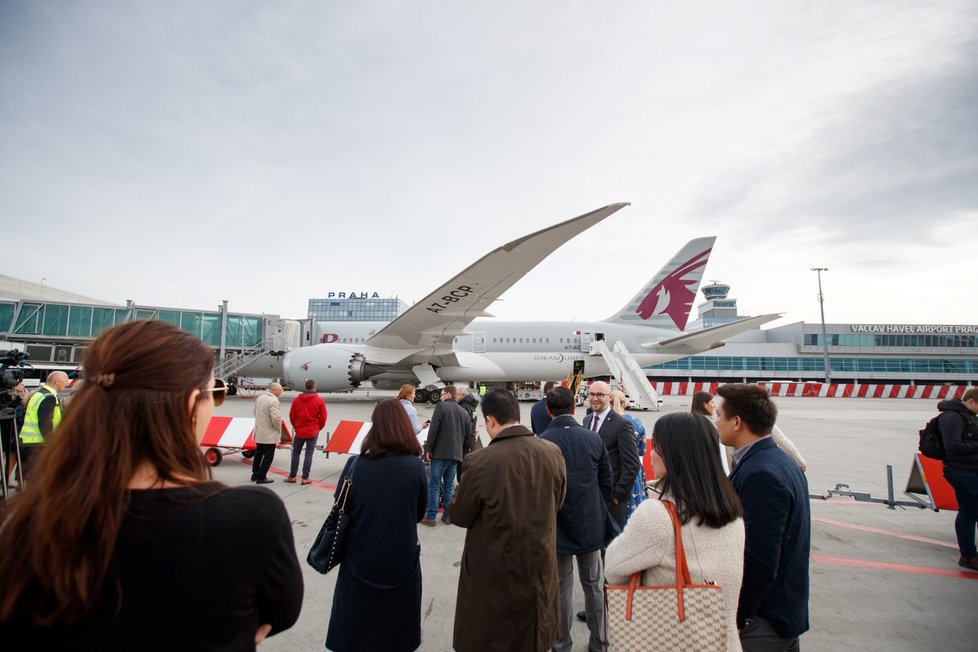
(439, 471)
(965, 485)
(297, 445)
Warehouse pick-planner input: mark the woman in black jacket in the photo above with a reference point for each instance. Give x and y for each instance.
(381, 569)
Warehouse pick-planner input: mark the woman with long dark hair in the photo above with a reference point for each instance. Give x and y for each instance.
(380, 575)
(121, 539)
(703, 404)
(689, 475)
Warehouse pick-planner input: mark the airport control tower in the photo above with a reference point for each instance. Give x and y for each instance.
(717, 309)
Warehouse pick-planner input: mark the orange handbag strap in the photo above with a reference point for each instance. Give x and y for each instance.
(682, 570)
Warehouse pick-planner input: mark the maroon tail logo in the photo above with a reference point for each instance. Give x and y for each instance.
(672, 295)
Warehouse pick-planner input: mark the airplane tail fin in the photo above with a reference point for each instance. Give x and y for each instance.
(667, 299)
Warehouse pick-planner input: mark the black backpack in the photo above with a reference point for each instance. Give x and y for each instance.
(931, 441)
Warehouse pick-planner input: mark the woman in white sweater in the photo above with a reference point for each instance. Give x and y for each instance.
(689, 474)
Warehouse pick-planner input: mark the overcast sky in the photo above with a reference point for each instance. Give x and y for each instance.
(179, 152)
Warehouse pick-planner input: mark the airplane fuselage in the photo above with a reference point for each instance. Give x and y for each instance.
(491, 350)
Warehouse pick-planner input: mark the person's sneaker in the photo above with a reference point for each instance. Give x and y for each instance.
(430, 522)
(264, 481)
(446, 520)
(970, 564)
(582, 616)
(290, 479)
(306, 481)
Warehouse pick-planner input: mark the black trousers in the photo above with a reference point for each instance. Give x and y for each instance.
(262, 460)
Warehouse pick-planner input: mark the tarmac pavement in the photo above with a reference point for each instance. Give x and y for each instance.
(880, 578)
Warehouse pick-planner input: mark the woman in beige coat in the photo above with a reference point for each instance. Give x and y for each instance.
(688, 471)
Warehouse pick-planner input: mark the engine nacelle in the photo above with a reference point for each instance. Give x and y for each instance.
(334, 367)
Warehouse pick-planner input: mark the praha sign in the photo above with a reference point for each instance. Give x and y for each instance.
(913, 329)
(352, 295)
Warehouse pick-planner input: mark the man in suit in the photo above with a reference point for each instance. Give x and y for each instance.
(539, 416)
(582, 518)
(619, 438)
(773, 608)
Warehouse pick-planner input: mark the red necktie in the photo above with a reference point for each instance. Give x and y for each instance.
(594, 423)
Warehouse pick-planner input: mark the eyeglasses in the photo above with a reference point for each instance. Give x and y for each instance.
(594, 395)
(218, 391)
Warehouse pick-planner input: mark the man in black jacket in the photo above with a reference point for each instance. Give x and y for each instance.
(582, 518)
(958, 423)
(773, 608)
(447, 433)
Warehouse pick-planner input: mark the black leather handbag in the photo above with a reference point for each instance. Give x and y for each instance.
(327, 550)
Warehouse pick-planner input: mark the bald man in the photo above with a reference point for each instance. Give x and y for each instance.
(42, 417)
(268, 433)
(619, 438)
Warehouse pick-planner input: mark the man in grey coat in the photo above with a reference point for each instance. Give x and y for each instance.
(447, 434)
(268, 433)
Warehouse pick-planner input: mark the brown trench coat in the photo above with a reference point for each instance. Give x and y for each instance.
(508, 498)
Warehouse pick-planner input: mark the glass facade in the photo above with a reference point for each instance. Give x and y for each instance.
(837, 364)
(865, 339)
(355, 309)
(78, 321)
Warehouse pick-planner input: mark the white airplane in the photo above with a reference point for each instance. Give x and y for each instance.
(439, 339)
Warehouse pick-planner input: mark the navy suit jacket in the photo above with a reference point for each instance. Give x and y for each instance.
(777, 521)
(582, 519)
(539, 417)
(619, 438)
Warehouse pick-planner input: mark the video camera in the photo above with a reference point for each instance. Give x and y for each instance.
(9, 378)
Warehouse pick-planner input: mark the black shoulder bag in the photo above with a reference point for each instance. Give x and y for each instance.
(327, 550)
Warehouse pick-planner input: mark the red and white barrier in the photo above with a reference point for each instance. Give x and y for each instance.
(831, 390)
(349, 435)
(233, 432)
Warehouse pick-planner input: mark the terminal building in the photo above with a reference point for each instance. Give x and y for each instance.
(355, 306)
(905, 354)
(55, 326)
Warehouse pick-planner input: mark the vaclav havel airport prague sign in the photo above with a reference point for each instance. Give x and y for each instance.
(913, 329)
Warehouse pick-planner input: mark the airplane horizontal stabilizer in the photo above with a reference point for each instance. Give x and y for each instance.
(708, 338)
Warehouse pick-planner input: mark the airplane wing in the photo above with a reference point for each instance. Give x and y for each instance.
(432, 323)
(708, 338)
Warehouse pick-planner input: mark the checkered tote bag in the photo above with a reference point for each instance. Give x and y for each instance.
(680, 616)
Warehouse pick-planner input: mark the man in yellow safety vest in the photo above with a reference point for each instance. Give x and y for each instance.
(43, 415)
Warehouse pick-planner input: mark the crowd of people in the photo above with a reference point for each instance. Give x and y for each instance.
(121, 512)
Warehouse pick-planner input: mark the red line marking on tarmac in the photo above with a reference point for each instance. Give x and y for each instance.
(899, 568)
(285, 474)
(889, 533)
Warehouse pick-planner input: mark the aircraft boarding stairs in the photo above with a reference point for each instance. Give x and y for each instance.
(241, 360)
(628, 373)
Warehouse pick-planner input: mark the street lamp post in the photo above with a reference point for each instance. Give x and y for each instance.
(821, 307)
(42, 287)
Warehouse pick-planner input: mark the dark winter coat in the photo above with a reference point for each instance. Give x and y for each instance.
(450, 427)
(959, 429)
(508, 499)
(778, 527)
(377, 599)
(581, 521)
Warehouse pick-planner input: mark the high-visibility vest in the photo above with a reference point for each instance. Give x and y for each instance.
(30, 434)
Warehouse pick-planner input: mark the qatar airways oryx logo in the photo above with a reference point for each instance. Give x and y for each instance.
(672, 295)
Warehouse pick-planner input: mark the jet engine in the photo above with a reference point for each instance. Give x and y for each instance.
(334, 367)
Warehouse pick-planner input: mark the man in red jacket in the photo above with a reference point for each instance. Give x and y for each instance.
(307, 416)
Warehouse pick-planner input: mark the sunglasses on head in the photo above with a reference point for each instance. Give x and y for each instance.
(218, 391)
